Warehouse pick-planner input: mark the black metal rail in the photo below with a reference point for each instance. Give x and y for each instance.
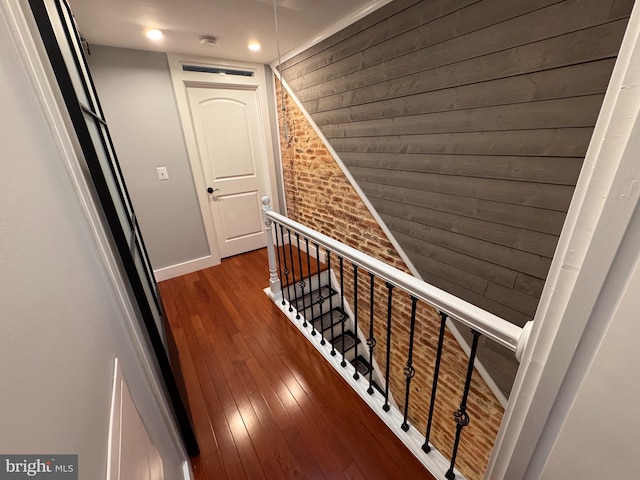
(343, 334)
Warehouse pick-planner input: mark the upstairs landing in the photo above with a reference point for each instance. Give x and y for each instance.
(265, 403)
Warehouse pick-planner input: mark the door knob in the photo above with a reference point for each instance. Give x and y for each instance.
(211, 190)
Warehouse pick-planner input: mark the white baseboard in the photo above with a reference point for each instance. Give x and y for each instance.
(312, 252)
(183, 268)
(303, 248)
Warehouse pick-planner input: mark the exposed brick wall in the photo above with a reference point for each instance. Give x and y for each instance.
(319, 195)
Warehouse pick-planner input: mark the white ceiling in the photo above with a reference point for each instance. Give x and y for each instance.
(122, 23)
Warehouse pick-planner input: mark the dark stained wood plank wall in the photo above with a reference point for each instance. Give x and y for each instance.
(466, 122)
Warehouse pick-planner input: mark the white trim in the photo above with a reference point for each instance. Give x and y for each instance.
(558, 353)
(186, 470)
(184, 268)
(113, 445)
(349, 177)
(180, 80)
(482, 371)
(488, 324)
(332, 30)
(435, 462)
(274, 112)
(312, 253)
(23, 30)
(303, 247)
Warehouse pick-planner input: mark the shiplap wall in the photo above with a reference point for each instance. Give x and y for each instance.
(465, 122)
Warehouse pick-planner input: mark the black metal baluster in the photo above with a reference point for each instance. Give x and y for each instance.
(386, 406)
(371, 341)
(409, 371)
(293, 277)
(302, 284)
(333, 332)
(313, 328)
(286, 270)
(356, 375)
(343, 363)
(461, 416)
(436, 371)
(278, 252)
(320, 297)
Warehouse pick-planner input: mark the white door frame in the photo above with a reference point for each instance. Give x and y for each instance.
(587, 276)
(181, 80)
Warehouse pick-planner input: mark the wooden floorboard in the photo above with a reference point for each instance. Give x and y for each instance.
(265, 403)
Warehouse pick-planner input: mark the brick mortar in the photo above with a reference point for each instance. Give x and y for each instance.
(319, 195)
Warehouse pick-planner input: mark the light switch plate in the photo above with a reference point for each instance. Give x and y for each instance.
(162, 173)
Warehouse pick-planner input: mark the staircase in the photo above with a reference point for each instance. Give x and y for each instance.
(317, 307)
(320, 306)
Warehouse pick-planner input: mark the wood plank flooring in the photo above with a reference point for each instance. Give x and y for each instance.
(265, 404)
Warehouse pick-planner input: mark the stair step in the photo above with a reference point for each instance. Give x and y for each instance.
(331, 324)
(329, 319)
(349, 340)
(313, 298)
(362, 365)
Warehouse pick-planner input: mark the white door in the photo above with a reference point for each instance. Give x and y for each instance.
(227, 130)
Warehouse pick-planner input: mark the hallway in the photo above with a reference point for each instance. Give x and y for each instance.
(265, 403)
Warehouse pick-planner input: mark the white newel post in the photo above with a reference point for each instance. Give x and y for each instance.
(275, 291)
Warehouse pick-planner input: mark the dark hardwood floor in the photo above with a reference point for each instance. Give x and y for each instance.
(265, 403)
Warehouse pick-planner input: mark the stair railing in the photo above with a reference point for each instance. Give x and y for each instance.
(280, 230)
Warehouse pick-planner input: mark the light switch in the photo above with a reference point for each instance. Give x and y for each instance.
(162, 173)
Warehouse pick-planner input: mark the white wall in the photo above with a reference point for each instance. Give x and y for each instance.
(137, 97)
(602, 432)
(62, 319)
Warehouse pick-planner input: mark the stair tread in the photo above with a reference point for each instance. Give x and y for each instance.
(310, 299)
(362, 365)
(349, 340)
(330, 319)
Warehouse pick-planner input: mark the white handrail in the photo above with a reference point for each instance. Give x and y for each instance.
(497, 329)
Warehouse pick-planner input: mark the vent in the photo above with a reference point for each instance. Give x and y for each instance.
(295, 5)
(219, 70)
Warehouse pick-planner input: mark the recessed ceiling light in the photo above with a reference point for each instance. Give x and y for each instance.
(254, 46)
(154, 34)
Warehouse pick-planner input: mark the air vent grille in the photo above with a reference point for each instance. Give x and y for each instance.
(219, 70)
